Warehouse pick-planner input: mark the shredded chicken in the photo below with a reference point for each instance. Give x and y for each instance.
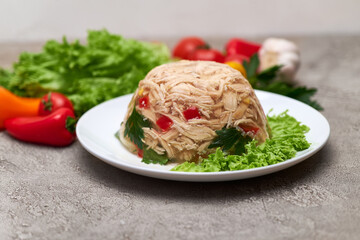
(220, 93)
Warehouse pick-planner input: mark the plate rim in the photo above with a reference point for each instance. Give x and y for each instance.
(203, 176)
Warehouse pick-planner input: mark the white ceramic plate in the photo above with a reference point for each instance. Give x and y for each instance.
(96, 129)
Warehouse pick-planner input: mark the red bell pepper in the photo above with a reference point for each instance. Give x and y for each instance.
(191, 112)
(56, 129)
(140, 152)
(240, 46)
(207, 55)
(164, 123)
(248, 129)
(144, 102)
(236, 58)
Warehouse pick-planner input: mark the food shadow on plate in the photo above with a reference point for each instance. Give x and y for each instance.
(246, 188)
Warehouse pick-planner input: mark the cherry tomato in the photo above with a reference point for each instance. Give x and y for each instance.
(191, 112)
(236, 58)
(207, 55)
(53, 101)
(240, 46)
(188, 45)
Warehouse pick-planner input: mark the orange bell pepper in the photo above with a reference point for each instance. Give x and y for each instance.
(15, 106)
(238, 67)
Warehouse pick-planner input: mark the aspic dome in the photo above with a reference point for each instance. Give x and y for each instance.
(187, 101)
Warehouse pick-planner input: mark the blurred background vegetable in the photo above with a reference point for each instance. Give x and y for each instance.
(267, 80)
(88, 74)
(242, 47)
(273, 72)
(186, 46)
(14, 106)
(278, 51)
(207, 55)
(52, 102)
(56, 129)
(110, 65)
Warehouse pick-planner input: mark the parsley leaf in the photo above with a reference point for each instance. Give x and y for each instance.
(150, 156)
(230, 139)
(268, 74)
(302, 93)
(251, 66)
(133, 128)
(266, 80)
(239, 147)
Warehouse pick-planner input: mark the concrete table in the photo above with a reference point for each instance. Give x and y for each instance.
(66, 193)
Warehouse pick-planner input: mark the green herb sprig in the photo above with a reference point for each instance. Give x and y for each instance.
(266, 80)
(134, 130)
(230, 139)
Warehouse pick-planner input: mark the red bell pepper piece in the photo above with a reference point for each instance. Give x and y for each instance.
(144, 102)
(164, 123)
(140, 152)
(240, 46)
(236, 58)
(248, 129)
(207, 55)
(56, 129)
(191, 112)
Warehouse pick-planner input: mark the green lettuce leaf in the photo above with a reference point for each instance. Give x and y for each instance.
(106, 67)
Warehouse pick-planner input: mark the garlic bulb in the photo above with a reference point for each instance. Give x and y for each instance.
(277, 51)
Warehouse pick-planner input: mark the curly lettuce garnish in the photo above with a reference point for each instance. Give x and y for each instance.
(288, 137)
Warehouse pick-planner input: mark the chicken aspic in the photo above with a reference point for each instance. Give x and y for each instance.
(185, 102)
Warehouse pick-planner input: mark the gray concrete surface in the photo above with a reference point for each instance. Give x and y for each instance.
(66, 193)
